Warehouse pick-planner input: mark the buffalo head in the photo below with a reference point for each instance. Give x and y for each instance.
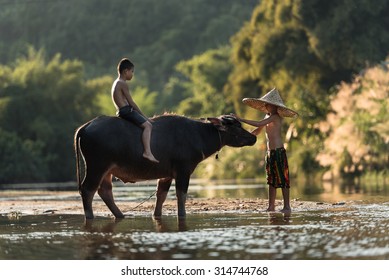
(231, 132)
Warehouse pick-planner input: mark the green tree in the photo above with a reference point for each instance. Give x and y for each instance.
(21, 160)
(42, 104)
(233, 163)
(146, 100)
(296, 46)
(155, 34)
(202, 83)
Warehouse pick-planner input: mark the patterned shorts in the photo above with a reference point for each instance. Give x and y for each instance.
(277, 169)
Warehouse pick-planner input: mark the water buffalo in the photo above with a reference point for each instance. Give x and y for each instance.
(112, 146)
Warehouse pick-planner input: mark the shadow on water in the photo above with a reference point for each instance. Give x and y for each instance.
(358, 232)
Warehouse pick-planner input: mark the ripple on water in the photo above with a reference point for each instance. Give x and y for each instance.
(358, 232)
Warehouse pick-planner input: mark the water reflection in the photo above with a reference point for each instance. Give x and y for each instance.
(100, 243)
(326, 191)
(161, 224)
(357, 232)
(279, 218)
(164, 225)
(311, 189)
(95, 226)
(350, 188)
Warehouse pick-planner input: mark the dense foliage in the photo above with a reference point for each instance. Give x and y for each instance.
(357, 129)
(42, 102)
(154, 34)
(49, 89)
(305, 48)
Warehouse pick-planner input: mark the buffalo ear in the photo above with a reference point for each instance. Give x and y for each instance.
(217, 123)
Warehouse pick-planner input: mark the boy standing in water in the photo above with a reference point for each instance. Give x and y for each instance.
(277, 170)
(127, 108)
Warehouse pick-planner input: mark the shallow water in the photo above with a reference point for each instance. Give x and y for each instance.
(357, 230)
(360, 232)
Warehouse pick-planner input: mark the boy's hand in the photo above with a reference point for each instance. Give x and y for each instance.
(257, 130)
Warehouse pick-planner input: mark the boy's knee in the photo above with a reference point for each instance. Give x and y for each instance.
(147, 125)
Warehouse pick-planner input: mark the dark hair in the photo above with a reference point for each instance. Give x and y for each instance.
(124, 64)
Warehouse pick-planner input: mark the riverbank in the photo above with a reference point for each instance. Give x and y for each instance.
(16, 206)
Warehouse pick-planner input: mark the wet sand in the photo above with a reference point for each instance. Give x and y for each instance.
(15, 206)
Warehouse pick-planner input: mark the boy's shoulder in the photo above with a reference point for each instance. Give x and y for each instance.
(120, 84)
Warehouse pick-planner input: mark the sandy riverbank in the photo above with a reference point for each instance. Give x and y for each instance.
(15, 206)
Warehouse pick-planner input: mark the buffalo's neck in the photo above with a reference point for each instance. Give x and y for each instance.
(212, 141)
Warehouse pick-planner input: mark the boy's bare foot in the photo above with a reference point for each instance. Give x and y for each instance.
(286, 210)
(270, 209)
(150, 158)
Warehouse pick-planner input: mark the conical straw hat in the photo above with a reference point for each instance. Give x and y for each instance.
(272, 97)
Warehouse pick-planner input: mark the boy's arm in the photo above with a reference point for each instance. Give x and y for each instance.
(258, 123)
(257, 130)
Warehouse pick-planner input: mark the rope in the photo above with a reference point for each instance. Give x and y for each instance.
(147, 199)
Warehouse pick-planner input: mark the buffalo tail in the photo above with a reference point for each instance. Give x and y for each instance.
(78, 152)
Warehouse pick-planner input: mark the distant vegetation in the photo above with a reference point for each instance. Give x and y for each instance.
(154, 34)
(198, 58)
(357, 128)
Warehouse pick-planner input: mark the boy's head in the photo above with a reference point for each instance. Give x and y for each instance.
(125, 64)
(270, 108)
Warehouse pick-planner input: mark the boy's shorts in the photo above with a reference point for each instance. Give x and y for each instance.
(128, 113)
(277, 169)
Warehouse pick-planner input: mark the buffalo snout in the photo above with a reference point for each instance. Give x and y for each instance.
(239, 137)
(251, 140)
(247, 139)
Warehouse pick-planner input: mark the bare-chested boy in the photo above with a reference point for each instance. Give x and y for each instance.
(127, 108)
(277, 170)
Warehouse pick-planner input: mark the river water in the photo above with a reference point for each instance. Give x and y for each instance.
(359, 231)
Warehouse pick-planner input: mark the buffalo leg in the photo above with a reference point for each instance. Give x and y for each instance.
(181, 200)
(182, 183)
(105, 192)
(88, 189)
(162, 191)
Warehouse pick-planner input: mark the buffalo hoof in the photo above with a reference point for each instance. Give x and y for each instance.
(157, 214)
(121, 216)
(89, 215)
(157, 217)
(126, 216)
(181, 217)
